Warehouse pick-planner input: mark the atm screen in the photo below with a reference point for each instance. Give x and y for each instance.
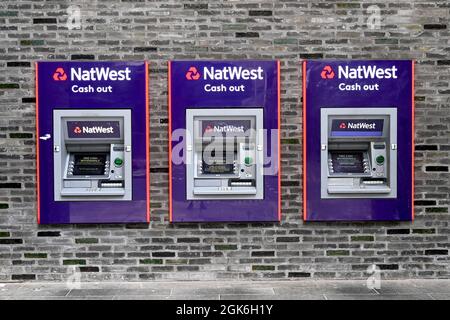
(89, 164)
(347, 161)
(216, 163)
(217, 168)
(357, 127)
(93, 129)
(226, 127)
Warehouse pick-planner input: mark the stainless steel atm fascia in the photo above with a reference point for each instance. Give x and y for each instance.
(60, 154)
(217, 114)
(391, 148)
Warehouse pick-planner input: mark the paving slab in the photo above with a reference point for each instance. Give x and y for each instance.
(192, 297)
(24, 292)
(224, 290)
(173, 284)
(168, 297)
(433, 286)
(271, 297)
(399, 288)
(141, 297)
(6, 292)
(440, 296)
(67, 298)
(214, 290)
(377, 297)
(343, 289)
(10, 285)
(117, 292)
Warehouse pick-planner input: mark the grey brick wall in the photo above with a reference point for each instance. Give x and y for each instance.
(163, 30)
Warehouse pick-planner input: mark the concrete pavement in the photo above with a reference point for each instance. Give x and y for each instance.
(230, 290)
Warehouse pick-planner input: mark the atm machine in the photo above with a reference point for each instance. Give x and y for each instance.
(358, 145)
(92, 148)
(224, 147)
(224, 154)
(92, 155)
(358, 157)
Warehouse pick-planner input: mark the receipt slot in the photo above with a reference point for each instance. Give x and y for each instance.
(358, 140)
(358, 154)
(92, 142)
(224, 142)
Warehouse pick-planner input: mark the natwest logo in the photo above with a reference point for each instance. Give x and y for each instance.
(367, 72)
(360, 125)
(100, 74)
(59, 75)
(193, 74)
(96, 129)
(224, 128)
(232, 73)
(356, 125)
(360, 72)
(327, 73)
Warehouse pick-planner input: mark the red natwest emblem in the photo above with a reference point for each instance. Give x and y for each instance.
(192, 74)
(208, 129)
(77, 130)
(327, 73)
(342, 126)
(60, 75)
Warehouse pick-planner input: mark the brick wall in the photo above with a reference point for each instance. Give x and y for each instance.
(163, 30)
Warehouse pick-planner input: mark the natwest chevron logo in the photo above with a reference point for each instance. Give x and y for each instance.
(59, 75)
(362, 125)
(359, 125)
(223, 128)
(193, 74)
(228, 128)
(93, 74)
(225, 73)
(93, 130)
(327, 73)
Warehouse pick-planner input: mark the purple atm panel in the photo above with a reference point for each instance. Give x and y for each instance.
(92, 142)
(224, 118)
(358, 141)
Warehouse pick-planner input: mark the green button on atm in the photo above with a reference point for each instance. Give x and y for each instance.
(380, 160)
(118, 162)
(248, 161)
